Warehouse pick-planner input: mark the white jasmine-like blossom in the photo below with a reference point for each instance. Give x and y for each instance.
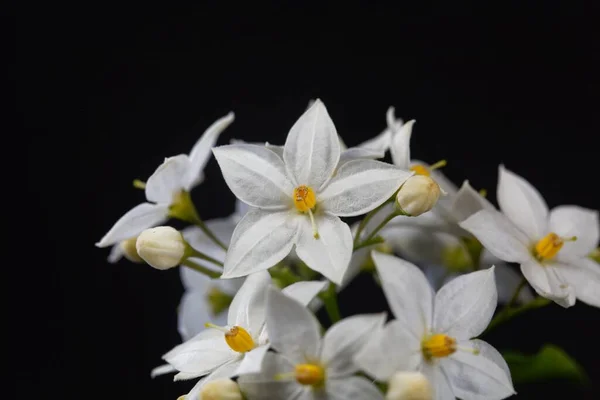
(432, 333)
(418, 195)
(175, 177)
(162, 247)
(238, 347)
(409, 386)
(551, 246)
(306, 366)
(298, 202)
(221, 389)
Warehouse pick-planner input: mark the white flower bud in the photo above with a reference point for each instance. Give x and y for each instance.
(162, 247)
(129, 251)
(409, 386)
(221, 389)
(418, 195)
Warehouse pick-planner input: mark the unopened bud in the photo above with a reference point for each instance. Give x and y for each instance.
(418, 195)
(409, 386)
(129, 251)
(221, 389)
(162, 247)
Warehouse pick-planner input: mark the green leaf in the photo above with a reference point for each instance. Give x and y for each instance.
(551, 362)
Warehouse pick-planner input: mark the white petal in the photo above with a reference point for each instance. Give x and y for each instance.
(241, 209)
(408, 293)
(439, 381)
(275, 149)
(498, 235)
(353, 387)
(255, 386)
(200, 153)
(361, 185)
(140, 217)
(345, 338)
(194, 312)
(400, 147)
(330, 254)
(507, 281)
(304, 292)
(380, 143)
(252, 361)
(418, 245)
(389, 350)
(584, 275)
(168, 179)
(479, 377)
(522, 203)
(312, 149)
(546, 281)
(260, 240)
(293, 330)
(116, 253)
(464, 307)
(357, 153)
(162, 370)
(247, 309)
(467, 202)
(202, 354)
(568, 221)
(224, 371)
(255, 175)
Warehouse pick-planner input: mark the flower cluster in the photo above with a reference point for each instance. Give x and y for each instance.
(254, 279)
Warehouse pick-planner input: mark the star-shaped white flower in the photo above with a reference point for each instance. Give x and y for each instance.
(173, 178)
(551, 246)
(239, 347)
(297, 201)
(306, 366)
(432, 333)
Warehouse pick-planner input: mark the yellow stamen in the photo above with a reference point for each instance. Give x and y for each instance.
(236, 337)
(304, 198)
(314, 224)
(483, 192)
(548, 247)
(310, 374)
(423, 170)
(438, 345)
(138, 184)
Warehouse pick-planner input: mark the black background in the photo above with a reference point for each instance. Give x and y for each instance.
(104, 93)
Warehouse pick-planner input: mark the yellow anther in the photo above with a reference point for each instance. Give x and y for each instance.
(236, 337)
(482, 192)
(304, 198)
(438, 345)
(138, 184)
(420, 170)
(310, 374)
(548, 247)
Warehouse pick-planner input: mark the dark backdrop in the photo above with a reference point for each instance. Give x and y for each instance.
(106, 92)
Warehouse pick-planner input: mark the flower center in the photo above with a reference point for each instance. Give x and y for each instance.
(438, 345)
(310, 374)
(548, 247)
(423, 170)
(236, 337)
(305, 200)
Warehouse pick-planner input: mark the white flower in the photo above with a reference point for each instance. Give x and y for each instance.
(162, 247)
(418, 195)
(306, 366)
(432, 333)
(175, 177)
(409, 386)
(221, 389)
(551, 246)
(297, 201)
(239, 347)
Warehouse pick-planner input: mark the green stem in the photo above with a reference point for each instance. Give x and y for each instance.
(201, 269)
(329, 298)
(200, 224)
(284, 275)
(191, 252)
(365, 220)
(383, 223)
(375, 240)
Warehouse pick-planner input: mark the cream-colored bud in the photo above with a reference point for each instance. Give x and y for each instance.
(221, 389)
(162, 247)
(418, 195)
(129, 251)
(409, 386)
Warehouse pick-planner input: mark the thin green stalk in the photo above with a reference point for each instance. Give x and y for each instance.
(200, 224)
(329, 298)
(201, 269)
(383, 223)
(375, 240)
(365, 220)
(191, 252)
